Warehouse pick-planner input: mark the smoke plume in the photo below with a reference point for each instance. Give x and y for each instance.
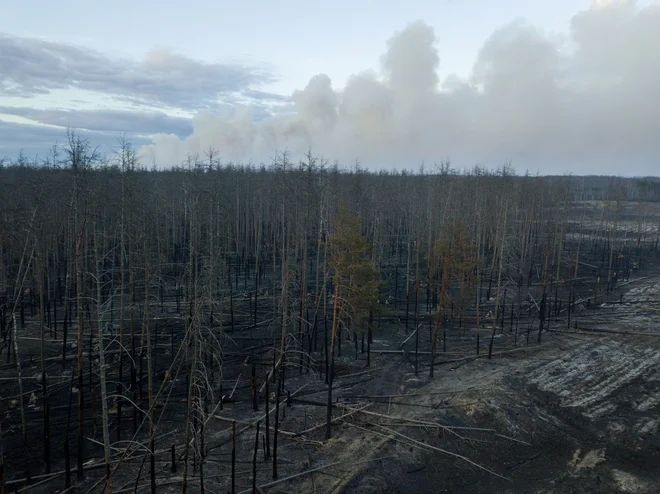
(588, 104)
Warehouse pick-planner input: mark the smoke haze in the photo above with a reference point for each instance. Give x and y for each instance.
(587, 103)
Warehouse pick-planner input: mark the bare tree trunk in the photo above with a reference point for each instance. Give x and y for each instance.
(42, 329)
(104, 394)
(19, 288)
(499, 281)
(545, 282)
(331, 372)
(439, 314)
(150, 398)
(19, 375)
(408, 284)
(417, 276)
(81, 401)
(254, 459)
(478, 281)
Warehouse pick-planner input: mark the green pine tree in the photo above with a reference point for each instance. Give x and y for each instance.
(356, 285)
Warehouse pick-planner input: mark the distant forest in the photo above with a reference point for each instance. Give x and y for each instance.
(124, 157)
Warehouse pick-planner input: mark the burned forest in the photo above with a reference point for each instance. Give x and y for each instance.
(302, 327)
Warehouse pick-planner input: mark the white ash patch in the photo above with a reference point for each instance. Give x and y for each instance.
(600, 411)
(596, 378)
(588, 461)
(647, 403)
(650, 291)
(627, 482)
(616, 427)
(647, 426)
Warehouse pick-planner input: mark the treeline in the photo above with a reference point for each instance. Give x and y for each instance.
(95, 250)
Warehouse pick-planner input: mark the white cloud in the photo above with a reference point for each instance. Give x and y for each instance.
(32, 67)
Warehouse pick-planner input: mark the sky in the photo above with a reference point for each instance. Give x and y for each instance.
(549, 86)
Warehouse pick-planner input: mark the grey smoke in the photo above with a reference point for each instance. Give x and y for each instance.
(586, 104)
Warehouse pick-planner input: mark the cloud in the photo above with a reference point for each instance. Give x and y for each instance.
(22, 136)
(35, 140)
(587, 103)
(130, 122)
(257, 95)
(31, 67)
